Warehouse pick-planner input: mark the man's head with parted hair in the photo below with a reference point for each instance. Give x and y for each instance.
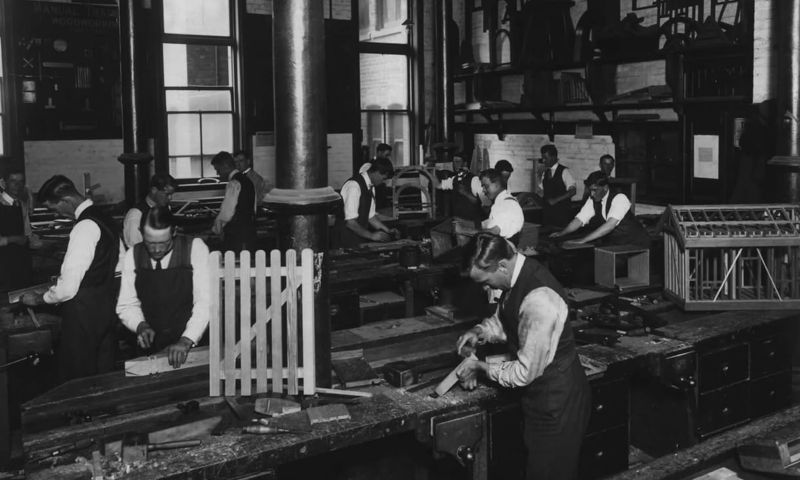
(158, 231)
(488, 259)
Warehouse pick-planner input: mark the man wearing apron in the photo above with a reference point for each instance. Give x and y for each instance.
(85, 288)
(15, 232)
(164, 293)
(532, 319)
(607, 218)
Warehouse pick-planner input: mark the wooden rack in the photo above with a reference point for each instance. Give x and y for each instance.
(719, 257)
(275, 352)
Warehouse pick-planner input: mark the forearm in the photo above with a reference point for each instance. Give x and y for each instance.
(359, 230)
(569, 194)
(601, 231)
(377, 224)
(572, 226)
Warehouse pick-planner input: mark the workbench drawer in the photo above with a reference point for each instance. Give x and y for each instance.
(722, 409)
(604, 453)
(769, 355)
(770, 393)
(723, 367)
(610, 405)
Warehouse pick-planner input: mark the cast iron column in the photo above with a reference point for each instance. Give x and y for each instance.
(302, 197)
(444, 88)
(134, 144)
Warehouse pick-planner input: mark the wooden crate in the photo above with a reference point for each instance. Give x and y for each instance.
(721, 257)
(256, 342)
(607, 261)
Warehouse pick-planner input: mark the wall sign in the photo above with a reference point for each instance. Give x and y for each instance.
(706, 156)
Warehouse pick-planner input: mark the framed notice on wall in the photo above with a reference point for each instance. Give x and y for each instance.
(68, 66)
(706, 156)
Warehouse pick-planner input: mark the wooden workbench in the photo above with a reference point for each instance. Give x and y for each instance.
(390, 412)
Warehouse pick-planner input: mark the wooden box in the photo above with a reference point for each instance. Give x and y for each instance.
(622, 266)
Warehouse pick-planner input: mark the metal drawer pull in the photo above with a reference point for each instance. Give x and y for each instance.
(599, 454)
(771, 354)
(726, 411)
(725, 368)
(599, 408)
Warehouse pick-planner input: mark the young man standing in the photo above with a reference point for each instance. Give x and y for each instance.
(236, 221)
(162, 186)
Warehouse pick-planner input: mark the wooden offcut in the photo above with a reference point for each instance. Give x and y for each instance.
(261, 341)
(158, 363)
(328, 413)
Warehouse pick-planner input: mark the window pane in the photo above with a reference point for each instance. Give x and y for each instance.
(392, 128)
(196, 65)
(217, 133)
(382, 21)
(197, 17)
(184, 134)
(197, 100)
(186, 167)
(384, 81)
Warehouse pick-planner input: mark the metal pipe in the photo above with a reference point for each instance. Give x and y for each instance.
(302, 199)
(444, 86)
(131, 131)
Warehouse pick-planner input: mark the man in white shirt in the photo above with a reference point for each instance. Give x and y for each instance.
(505, 217)
(607, 164)
(162, 186)
(607, 217)
(358, 222)
(531, 318)
(85, 288)
(245, 165)
(467, 197)
(236, 221)
(164, 295)
(558, 188)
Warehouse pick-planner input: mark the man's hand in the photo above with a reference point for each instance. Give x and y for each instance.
(466, 342)
(557, 234)
(178, 351)
(468, 372)
(145, 335)
(379, 236)
(552, 201)
(393, 232)
(32, 299)
(216, 229)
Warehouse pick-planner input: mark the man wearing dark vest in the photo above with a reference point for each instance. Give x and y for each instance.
(85, 288)
(236, 221)
(162, 186)
(358, 223)
(466, 192)
(164, 295)
(15, 232)
(558, 187)
(607, 217)
(531, 319)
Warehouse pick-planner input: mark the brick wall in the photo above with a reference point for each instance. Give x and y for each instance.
(340, 158)
(764, 51)
(581, 156)
(72, 158)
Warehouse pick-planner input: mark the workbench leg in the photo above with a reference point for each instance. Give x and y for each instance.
(408, 289)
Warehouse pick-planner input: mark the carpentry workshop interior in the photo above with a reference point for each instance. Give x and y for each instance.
(399, 239)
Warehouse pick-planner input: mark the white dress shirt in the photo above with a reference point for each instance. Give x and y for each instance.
(131, 233)
(619, 208)
(80, 252)
(506, 214)
(129, 307)
(351, 195)
(566, 177)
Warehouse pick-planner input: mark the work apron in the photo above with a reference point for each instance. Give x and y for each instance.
(167, 298)
(87, 319)
(15, 260)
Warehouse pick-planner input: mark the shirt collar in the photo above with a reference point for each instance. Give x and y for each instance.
(149, 201)
(234, 172)
(247, 170)
(518, 261)
(164, 260)
(367, 179)
(83, 206)
(6, 198)
(502, 195)
(554, 167)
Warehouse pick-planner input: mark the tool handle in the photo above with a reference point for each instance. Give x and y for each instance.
(174, 444)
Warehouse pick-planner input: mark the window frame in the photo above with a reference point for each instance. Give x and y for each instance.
(164, 157)
(368, 46)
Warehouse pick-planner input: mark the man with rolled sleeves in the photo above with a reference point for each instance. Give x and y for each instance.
(164, 293)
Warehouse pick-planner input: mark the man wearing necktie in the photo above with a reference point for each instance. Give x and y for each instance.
(164, 293)
(558, 188)
(358, 223)
(544, 368)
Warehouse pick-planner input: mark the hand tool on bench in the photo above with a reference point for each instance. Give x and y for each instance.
(71, 447)
(135, 447)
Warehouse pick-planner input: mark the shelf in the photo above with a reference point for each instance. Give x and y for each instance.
(563, 108)
(512, 70)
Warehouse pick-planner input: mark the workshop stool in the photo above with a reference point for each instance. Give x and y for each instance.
(622, 266)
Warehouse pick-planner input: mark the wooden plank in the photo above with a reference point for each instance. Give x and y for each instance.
(158, 363)
(277, 319)
(188, 431)
(261, 321)
(214, 326)
(307, 292)
(244, 322)
(230, 323)
(291, 321)
(389, 331)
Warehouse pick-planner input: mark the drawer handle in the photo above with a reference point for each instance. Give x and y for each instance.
(771, 354)
(726, 411)
(599, 454)
(599, 408)
(725, 368)
(772, 393)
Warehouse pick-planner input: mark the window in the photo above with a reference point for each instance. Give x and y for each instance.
(385, 77)
(199, 84)
(2, 99)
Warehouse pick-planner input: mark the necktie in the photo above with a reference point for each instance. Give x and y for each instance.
(158, 265)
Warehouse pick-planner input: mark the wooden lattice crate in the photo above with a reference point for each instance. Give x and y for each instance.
(256, 343)
(733, 256)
